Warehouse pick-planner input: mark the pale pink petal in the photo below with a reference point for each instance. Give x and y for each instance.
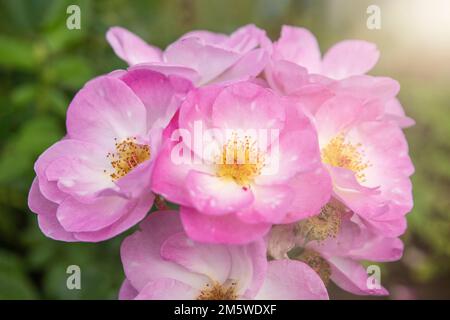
(386, 149)
(63, 151)
(197, 108)
(378, 248)
(348, 58)
(247, 106)
(220, 229)
(245, 39)
(346, 186)
(169, 70)
(337, 115)
(75, 216)
(249, 267)
(136, 182)
(373, 134)
(141, 255)
(312, 192)
(387, 228)
(395, 112)
(297, 151)
(50, 190)
(365, 202)
(216, 196)
(37, 202)
(77, 167)
(270, 205)
(160, 94)
(291, 280)
(127, 291)
(247, 67)
(138, 209)
(46, 214)
(130, 47)
(377, 212)
(167, 289)
(286, 77)
(298, 45)
(213, 261)
(104, 110)
(367, 87)
(169, 178)
(192, 53)
(206, 36)
(310, 97)
(352, 277)
(50, 226)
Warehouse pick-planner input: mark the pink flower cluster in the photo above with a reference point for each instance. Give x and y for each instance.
(288, 168)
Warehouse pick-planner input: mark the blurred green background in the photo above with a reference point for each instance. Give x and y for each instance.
(42, 65)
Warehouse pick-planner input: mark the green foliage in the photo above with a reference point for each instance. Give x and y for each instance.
(14, 281)
(16, 54)
(42, 65)
(430, 220)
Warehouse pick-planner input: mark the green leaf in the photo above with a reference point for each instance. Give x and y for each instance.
(61, 38)
(14, 282)
(17, 54)
(24, 94)
(71, 72)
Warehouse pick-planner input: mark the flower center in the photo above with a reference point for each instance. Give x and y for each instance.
(217, 291)
(317, 263)
(340, 153)
(240, 160)
(128, 155)
(326, 224)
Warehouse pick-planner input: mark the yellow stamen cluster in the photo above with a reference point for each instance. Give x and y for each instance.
(217, 291)
(340, 153)
(240, 161)
(326, 224)
(128, 155)
(317, 263)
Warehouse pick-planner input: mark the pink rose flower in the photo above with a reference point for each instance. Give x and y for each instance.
(361, 142)
(344, 59)
(226, 198)
(368, 162)
(296, 68)
(333, 244)
(94, 183)
(202, 56)
(161, 262)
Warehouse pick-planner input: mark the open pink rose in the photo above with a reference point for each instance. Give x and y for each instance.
(202, 56)
(362, 145)
(334, 243)
(161, 262)
(94, 183)
(264, 167)
(368, 162)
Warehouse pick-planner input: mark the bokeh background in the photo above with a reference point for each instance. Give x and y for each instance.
(42, 65)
